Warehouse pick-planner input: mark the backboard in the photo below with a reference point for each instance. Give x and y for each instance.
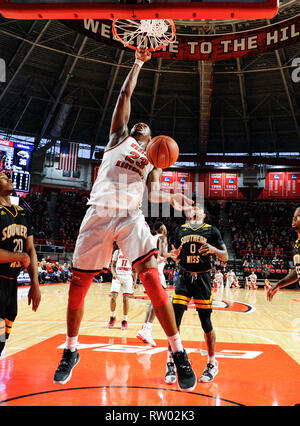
(139, 9)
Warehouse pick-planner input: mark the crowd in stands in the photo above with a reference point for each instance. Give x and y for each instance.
(51, 272)
(262, 235)
(261, 231)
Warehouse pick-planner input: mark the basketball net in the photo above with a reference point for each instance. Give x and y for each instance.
(152, 34)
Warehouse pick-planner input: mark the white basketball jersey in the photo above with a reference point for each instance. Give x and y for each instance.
(230, 276)
(122, 177)
(123, 266)
(161, 260)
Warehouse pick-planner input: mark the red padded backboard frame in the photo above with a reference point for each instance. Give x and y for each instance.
(180, 10)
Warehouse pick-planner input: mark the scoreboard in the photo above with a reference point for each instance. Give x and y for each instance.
(16, 157)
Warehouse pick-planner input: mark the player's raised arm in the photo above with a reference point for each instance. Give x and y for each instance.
(122, 109)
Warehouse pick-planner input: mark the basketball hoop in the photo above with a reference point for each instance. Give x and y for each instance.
(153, 34)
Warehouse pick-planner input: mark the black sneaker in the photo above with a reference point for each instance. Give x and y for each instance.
(187, 379)
(170, 376)
(64, 371)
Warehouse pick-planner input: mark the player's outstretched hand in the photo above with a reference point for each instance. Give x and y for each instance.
(271, 293)
(143, 54)
(181, 202)
(175, 252)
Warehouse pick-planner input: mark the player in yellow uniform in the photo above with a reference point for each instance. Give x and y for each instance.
(193, 242)
(16, 252)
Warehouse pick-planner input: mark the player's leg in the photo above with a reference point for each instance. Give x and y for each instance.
(170, 376)
(127, 283)
(113, 305)
(203, 302)
(114, 291)
(211, 369)
(8, 310)
(137, 244)
(148, 274)
(93, 252)
(145, 333)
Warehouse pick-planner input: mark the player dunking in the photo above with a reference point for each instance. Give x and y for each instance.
(114, 215)
(294, 275)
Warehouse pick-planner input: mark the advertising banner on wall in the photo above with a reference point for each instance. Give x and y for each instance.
(293, 184)
(204, 47)
(172, 181)
(275, 184)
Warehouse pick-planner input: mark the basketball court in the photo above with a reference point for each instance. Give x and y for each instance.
(257, 349)
(257, 346)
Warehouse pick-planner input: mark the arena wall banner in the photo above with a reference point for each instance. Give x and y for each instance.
(205, 47)
(172, 181)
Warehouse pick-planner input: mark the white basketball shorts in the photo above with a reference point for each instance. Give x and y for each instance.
(126, 281)
(94, 245)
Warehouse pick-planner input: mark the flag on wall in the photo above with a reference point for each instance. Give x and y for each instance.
(68, 156)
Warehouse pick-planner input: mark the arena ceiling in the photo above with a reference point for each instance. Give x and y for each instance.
(61, 84)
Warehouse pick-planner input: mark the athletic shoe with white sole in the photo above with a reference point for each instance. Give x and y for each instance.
(170, 376)
(210, 372)
(124, 325)
(145, 336)
(112, 321)
(187, 379)
(64, 371)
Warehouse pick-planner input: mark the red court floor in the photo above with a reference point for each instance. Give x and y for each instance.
(123, 372)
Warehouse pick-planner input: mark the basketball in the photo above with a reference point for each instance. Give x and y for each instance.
(162, 151)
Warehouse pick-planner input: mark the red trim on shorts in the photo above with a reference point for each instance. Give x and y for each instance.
(144, 257)
(89, 271)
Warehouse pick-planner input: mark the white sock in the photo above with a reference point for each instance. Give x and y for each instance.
(175, 343)
(125, 317)
(149, 326)
(170, 356)
(71, 343)
(211, 359)
(113, 314)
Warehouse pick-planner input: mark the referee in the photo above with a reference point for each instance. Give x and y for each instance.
(194, 241)
(16, 252)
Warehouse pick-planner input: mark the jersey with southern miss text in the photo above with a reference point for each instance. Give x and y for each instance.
(296, 257)
(123, 266)
(15, 227)
(191, 239)
(122, 176)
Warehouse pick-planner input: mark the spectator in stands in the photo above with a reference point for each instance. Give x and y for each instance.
(66, 272)
(42, 270)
